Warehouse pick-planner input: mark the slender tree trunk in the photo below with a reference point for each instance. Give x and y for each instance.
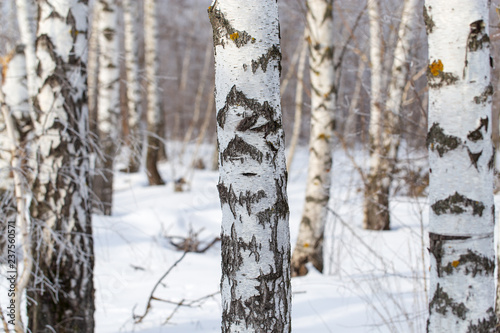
(14, 98)
(299, 91)
(61, 290)
(461, 160)
(92, 71)
(350, 128)
(309, 246)
(25, 12)
(383, 155)
(154, 113)
(255, 286)
(376, 202)
(135, 138)
(108, 104)
(197, 100)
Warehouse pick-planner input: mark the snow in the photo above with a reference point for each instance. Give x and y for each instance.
(373, 280)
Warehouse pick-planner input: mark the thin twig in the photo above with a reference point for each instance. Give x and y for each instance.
(138, 319)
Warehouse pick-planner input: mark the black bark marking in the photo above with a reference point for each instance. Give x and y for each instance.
(485, 96)
(250, 198)
(429, 23)
(477, 134)
(272, 53)
(237, 149)
(440, 142)
(491, 162)
(248, 174)
(436, 242)
(238, 98)
(328, 11)
(457, 204)
(442, 79)
(231, 253)
(472, 263)
(486, 325)
(474, 157)
(477, 37)
(441, 302)
(222, 29)
(227, 196)
(279, 209)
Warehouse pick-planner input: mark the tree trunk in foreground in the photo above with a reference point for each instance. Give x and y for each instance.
(255, 286)
(309, 246)
(108, 105)
(461, 160)
(153, 111)
(61, 289)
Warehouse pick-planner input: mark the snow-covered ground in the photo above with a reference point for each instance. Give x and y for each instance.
(373, 281)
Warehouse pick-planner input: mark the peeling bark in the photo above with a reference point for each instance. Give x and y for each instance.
(61, 288)
(252, 185)
(462, 219)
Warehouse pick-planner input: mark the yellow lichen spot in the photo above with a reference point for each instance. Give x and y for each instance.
(436, 67)
(234, 36)
(455, 263)
(306, 245)
(209, 8)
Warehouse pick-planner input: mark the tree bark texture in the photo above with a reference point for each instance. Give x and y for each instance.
(385, 134)
(154, 114)
(256, 295)
(61, 290)
(108, 105)
(461, 160)
(376, 203)
(135, 139)
(309, 246)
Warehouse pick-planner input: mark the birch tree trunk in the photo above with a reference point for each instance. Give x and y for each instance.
(108, 104)
(154, 114)
(25, 11)
(309, 246)
(299, 91)
(135, 138)
(255, 286)
(15, 112)
(383, 156)
(61, 288)
(376, 202)
(92, 71)
(461, 159)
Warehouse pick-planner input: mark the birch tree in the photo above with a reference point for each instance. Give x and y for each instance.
(153, 112)
(376, 203)
(461, 159)
(309, 246)
(108, 103)
(61, 291)
(133, 87)
(384, 121)
(255, 286)
(16, 117)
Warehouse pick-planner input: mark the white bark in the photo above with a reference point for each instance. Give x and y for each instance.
(15, 110)
(92, 69)
(25, 12)
(461, 158)
(153, 109)
(108, 102)
(62, 288)
(309, 246)
(299, 92)
(133, 86)
(255, 285)
(384, 121)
